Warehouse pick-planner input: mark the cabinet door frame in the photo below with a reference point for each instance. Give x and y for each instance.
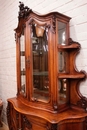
(40, 23)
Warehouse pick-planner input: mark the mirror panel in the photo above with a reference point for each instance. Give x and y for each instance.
(22, 63)
(40, 63)
(61, 33)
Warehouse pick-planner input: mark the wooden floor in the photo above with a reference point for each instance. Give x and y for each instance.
(4, 127)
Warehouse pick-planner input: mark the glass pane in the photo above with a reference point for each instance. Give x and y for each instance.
(61, 33)
(40, 63)
(63, 91)
(62, 61)
(22, 60)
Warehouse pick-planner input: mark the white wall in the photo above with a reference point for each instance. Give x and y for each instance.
(76, 9)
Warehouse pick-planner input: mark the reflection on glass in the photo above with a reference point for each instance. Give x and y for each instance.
(62, 61)
(63, 91)
(22, 61)
(40, 63)
(61, 33)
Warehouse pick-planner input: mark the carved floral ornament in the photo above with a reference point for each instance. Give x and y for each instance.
(23, 11)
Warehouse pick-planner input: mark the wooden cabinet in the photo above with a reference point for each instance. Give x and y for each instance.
(48, 96)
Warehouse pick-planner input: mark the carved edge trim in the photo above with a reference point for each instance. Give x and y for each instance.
(82, 103)
(53, 28)
(74, 42)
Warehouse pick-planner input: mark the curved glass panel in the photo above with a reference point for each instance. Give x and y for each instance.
(61, 33)
(40, 63)
(63, 91)
(22, 62)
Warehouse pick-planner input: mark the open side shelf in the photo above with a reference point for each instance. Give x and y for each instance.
(72, 76)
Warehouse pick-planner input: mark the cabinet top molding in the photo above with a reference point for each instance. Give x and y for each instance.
(25, 11)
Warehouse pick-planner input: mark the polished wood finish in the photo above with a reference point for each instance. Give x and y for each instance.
(48, 96)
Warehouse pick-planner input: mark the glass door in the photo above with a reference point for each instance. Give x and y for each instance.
(40, 62)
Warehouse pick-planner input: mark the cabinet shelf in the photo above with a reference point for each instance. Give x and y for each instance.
(71, 76)
(71, 46)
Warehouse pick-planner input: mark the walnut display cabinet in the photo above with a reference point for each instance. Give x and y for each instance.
(48, 96)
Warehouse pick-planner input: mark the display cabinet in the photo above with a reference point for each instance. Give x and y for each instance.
(48, 96)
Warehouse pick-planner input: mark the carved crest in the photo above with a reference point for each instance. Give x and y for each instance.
(24, 11)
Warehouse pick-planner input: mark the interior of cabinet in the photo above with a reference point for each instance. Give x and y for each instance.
(40, 62)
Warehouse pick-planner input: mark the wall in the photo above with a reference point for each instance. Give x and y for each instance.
(76, 9)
